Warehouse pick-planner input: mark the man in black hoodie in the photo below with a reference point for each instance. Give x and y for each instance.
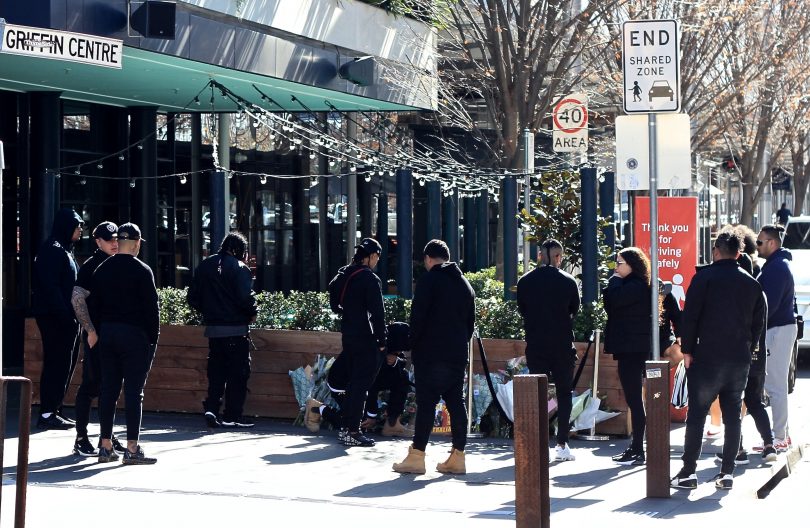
(356, 294)
(721, 323)
(442, 323)
(54, 275)
(222, 292)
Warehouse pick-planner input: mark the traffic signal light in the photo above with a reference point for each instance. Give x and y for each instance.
(730, 163)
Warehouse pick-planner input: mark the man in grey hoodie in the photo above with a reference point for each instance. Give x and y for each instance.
(54, 276)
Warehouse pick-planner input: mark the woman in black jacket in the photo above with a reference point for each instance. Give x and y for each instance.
(627, 337)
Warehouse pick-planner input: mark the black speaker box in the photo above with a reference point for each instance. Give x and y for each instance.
(154, 19)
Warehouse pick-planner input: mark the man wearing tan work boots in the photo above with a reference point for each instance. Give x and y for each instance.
(442, 321)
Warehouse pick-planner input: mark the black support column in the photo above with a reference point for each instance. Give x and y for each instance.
(607, 193)
(450, 224)
(482, 231)
(143, 124)
(510, 236)
(590, 248)
(434, 204)
(405, 233)
(46, 131)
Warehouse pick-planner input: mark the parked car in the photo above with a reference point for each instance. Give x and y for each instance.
(797, 240)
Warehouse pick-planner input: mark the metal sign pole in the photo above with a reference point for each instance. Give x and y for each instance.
(651, 121)
(593, 435)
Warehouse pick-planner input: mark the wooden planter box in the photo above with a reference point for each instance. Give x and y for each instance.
(178, 382)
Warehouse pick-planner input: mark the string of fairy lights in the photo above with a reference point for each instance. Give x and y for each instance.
(343, 154)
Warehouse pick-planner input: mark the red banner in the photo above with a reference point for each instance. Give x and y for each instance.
(677, 239)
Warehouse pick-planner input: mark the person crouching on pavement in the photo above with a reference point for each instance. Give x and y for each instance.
(356, 293)
(442, 323)
(221, 291)
(126, 301)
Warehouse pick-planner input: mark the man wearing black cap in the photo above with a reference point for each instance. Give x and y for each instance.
(356, 293)
(222, 292)
(126, 303)
(106, 237)
(53, 278)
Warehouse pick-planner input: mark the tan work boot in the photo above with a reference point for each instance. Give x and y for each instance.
(454, 464)
(413, 463)
(396, 430)
(312, 418)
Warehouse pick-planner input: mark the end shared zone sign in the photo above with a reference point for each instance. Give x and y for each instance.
(62, 45)
(651, 66)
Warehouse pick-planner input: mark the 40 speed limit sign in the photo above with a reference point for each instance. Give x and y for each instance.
(570, 117)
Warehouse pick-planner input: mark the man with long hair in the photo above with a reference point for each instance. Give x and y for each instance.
(222, 292)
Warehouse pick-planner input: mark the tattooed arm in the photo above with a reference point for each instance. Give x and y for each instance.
(79, 301)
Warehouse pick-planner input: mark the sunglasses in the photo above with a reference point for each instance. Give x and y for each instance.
(760, 242)
(620, 262)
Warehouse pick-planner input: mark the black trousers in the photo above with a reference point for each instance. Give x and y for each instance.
(90, 388)
(363, 361)
(126, 357)
(60, 350)
(560, 366)
(752, 397)
(631, 376)
(395, 381)
(228, 374)
(434, 382)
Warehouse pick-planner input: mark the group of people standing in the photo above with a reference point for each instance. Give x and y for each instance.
(114, 299)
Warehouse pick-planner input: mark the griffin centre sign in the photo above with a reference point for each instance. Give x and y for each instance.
(61, 45)
(651, 66)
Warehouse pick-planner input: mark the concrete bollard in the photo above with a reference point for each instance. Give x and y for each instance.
(657, 396)
(532, 502)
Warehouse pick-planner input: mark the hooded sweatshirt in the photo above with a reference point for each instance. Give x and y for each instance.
(55, 268)
(777, 283)
(442, 316)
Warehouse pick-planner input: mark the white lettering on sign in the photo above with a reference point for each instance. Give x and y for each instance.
(651, 66)
(62, 45)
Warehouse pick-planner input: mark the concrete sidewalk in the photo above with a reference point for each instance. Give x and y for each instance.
(278, 471)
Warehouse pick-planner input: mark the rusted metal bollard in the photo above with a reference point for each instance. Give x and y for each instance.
(23, 440)
(657, 396)
(532, 502)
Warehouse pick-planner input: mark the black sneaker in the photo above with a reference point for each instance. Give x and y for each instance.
(65, 418)
(107, 455)
(211, 420)
(723, 481)
(54, 421)
(741, 459)
(117, 446)
(83, 447)
(630, 458)
(239, 423)
(769, 454)
(357, 439)
(137, 458)
(682, 481)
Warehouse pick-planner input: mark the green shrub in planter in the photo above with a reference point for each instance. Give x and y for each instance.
(498, 319)
(397, 309)
(310, 311)
(174, 310)
(484, 284)
(274, 311)
(591, 316)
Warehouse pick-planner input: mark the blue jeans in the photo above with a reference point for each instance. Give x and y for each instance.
(706, 382)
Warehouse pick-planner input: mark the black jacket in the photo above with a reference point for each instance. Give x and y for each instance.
(124, 292)
(724, 315)
(55, 269)
(548, 299)
(442, 316)
(356, 293)
(221, 291)
(628, 304)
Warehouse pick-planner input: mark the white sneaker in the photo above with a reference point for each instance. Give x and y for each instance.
(563, 453)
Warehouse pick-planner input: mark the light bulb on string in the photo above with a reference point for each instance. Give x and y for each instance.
(83, 181)
(140, 147)
(99, 166)
(132, 183)
(353, 168)
(367, 177)
(78, 171)
(183, 179)
(120, 157)
(313, 182)
(312, 155)
(263, 179)
(421, 182)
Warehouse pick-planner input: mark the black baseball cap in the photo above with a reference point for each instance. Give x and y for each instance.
(370, 246)
(129, 231)
(106, 231)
